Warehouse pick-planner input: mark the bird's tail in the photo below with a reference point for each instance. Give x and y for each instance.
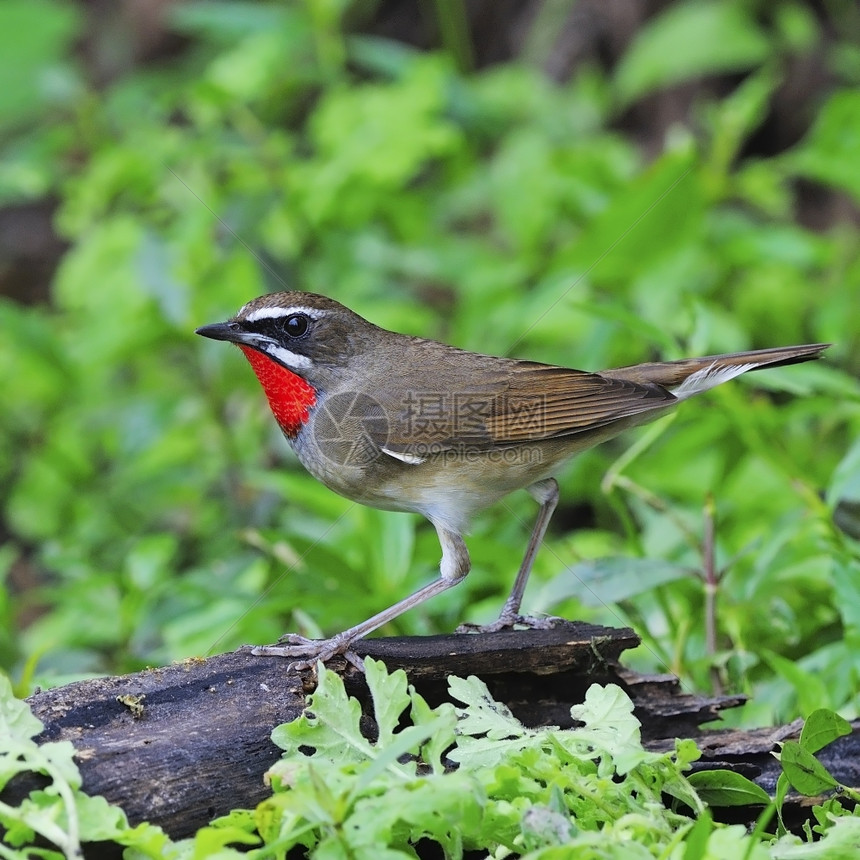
(690, 376)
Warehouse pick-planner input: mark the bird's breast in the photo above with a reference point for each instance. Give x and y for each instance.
(290, 397)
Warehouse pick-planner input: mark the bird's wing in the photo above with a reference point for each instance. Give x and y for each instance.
(511, 403)
(544, 402)
(476, 403)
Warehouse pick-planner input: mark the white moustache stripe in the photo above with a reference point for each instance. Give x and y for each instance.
(289, 359)
(276, 312)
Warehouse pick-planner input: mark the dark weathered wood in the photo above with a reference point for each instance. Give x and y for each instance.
(751, 753)
(201, 738)
(184, 743)
(197, 743)
(540, 674)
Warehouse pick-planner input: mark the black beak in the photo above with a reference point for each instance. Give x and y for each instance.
(235, 332)
(229, 331)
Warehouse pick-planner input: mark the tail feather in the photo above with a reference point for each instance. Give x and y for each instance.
(690, 376)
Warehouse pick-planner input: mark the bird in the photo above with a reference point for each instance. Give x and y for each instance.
(404, 423)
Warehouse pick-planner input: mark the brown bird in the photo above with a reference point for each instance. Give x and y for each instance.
(407, 424)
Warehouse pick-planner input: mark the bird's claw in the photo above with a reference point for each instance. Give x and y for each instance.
(312, 650)
(510, 621)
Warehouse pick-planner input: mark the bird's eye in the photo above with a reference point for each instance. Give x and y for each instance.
(296, 325)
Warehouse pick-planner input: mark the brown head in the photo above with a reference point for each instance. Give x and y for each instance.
(297, 343)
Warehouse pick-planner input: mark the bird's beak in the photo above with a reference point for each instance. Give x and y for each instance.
(233, 332)
(229, 331)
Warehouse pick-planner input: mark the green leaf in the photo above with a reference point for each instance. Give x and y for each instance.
(330, 731)
(390, 697)
(99, 820)
(686, 41)
(696, 842)
(646, 221)
(845, 483)
(782, 789)
(841, 841)
(811, 690)
(609, 723)
(727, 788)
(822, 727)
(543, 825)
(615, 579)
(225, 20)
(483, 715)
(487, 731)
(390, 547)
(829, 153)
(35, 36)
(444, 718)
(330, 725)
(846, 588)
(738, 115)
(804, 771)
(17, 722)
(407, 741)
(60, 814)
(686, 752)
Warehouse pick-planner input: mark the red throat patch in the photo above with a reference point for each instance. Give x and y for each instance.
(290, 397)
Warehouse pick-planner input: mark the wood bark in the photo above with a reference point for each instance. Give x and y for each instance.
(182, 744)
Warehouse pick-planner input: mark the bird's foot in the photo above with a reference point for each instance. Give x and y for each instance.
(309, 651)
(510, 621)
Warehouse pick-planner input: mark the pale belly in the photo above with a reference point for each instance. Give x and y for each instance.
(448, 487)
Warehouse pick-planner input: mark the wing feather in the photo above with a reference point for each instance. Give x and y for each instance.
(527, 402)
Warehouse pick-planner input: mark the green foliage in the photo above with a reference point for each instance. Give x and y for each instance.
(806, 775)
(691, 39)
(151, 509)
(829, 152)
(60, 813)
(36, 37)
(513, 791)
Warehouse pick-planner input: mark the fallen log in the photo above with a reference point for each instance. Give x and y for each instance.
(182, 744)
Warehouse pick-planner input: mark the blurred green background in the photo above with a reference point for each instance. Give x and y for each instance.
(584, 183)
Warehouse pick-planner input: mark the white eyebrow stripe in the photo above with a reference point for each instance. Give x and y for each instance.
(275, 313)
(287, 357)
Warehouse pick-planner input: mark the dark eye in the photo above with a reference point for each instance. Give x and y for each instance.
(296, 325)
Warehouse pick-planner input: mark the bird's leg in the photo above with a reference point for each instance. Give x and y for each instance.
(546, 493)
(453, 569)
